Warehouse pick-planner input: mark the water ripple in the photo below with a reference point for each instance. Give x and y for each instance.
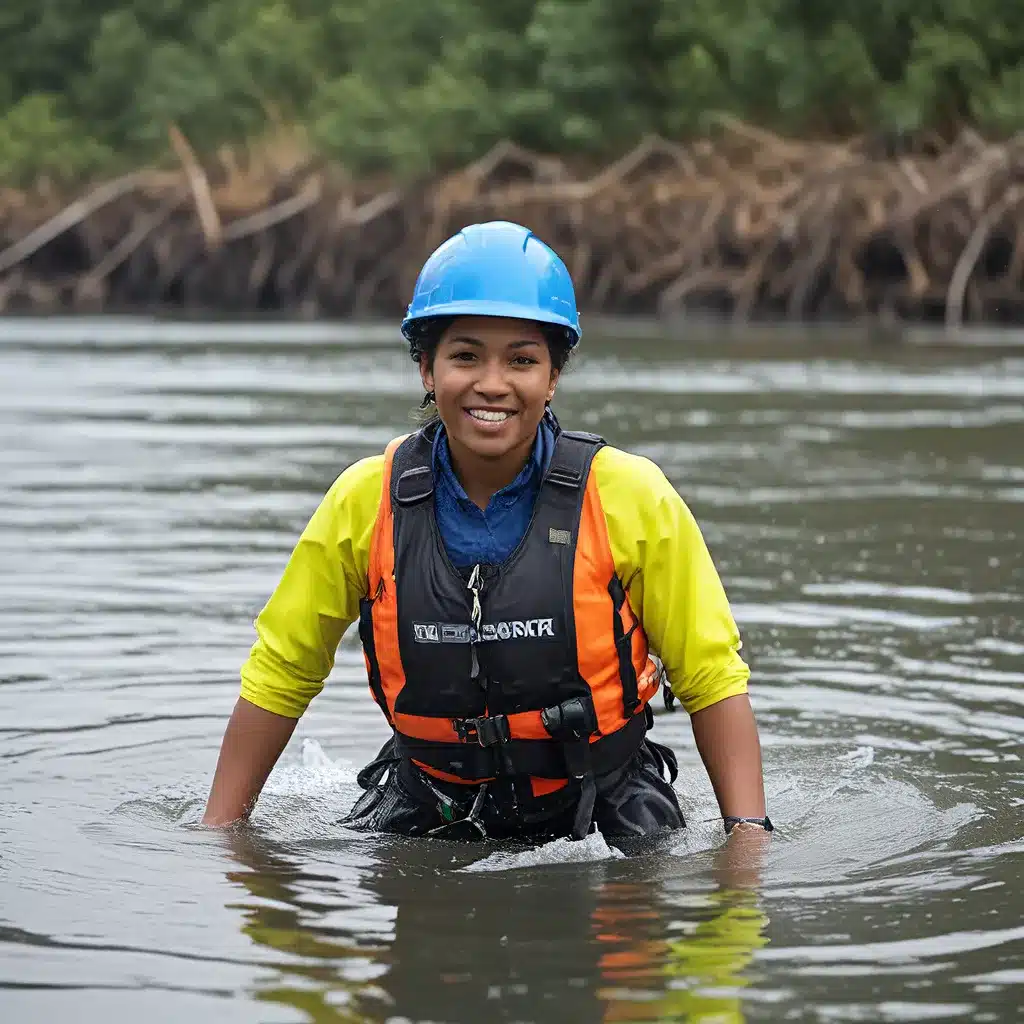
(864, 513)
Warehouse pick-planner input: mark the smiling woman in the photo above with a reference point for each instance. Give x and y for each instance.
(511, 581)
(492, 379)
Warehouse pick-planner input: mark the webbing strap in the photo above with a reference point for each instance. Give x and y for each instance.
(570, 461)
(542, 759)
(370, 650)
(412, 475)
(624, 648)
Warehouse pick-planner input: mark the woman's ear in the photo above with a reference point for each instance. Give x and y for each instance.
(426, 373)
(551, 384)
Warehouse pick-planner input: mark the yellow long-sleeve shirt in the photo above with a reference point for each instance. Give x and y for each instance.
(655, 541)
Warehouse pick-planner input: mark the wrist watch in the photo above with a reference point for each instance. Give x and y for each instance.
(731, 821)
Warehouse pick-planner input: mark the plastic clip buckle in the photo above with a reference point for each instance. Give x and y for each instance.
(487, 731)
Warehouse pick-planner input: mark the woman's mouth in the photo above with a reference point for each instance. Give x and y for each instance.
(489, 420)
(490, 415)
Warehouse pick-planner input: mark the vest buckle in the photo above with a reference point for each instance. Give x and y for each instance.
(571, 724)
(488, 731)
(571, 721)
(414, 485)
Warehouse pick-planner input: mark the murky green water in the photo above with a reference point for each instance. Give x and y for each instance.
(866, 510)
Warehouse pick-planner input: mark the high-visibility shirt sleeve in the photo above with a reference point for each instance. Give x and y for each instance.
(673, 585)
(317, 597)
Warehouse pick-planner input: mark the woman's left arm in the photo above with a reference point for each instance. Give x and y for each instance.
(675, 589)
(726, 736)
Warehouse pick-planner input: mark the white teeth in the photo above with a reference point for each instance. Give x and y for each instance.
(488, 416)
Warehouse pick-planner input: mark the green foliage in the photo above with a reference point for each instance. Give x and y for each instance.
(37, 125)
(414, 86)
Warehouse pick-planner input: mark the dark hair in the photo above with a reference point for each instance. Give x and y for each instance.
(428, 336)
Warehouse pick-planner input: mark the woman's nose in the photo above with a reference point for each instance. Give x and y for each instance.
(492, 379)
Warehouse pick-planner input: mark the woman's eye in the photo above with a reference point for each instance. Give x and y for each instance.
(467, 357)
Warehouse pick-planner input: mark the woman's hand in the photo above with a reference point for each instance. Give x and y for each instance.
(739, 861)
(253, 742)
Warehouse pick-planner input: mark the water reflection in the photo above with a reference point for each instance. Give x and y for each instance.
(425, 940)
(699, 976)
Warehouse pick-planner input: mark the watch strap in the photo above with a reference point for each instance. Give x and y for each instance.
(731, 821)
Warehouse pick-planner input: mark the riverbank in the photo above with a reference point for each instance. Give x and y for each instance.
(747, 225)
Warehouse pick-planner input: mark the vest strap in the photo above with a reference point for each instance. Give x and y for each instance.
(543, 759)
(366, 637)
(572, 723)
(412, 471)
(624, 648)
(570, 461)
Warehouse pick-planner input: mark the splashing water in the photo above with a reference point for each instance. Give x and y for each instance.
(559, 851)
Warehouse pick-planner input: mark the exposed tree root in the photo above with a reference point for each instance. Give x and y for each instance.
(745, 224)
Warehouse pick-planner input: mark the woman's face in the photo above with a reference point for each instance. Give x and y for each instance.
(491, 378)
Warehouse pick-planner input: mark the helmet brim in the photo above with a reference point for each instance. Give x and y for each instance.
(484, 307)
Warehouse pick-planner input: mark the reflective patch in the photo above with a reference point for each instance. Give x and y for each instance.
(517, 629)
(559, 536)
(490, 632)
(425, 633)
(440, 632)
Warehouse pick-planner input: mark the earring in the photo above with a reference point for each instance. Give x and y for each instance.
(428, 399)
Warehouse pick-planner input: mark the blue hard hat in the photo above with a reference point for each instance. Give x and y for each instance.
(494, 269)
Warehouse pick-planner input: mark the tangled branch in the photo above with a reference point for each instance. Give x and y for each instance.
(747, 224)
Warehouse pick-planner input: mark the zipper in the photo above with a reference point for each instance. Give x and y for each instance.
(475, 587)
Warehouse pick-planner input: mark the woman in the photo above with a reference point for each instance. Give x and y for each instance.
(509, 579)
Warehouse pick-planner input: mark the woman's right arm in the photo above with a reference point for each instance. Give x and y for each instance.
(298, 632)
(253, 741)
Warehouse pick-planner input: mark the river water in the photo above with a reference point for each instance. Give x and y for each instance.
(865, 506)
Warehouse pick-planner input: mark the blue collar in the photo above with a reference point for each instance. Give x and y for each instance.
(527, 481)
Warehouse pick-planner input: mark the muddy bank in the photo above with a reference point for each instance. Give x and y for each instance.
(748, 225)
